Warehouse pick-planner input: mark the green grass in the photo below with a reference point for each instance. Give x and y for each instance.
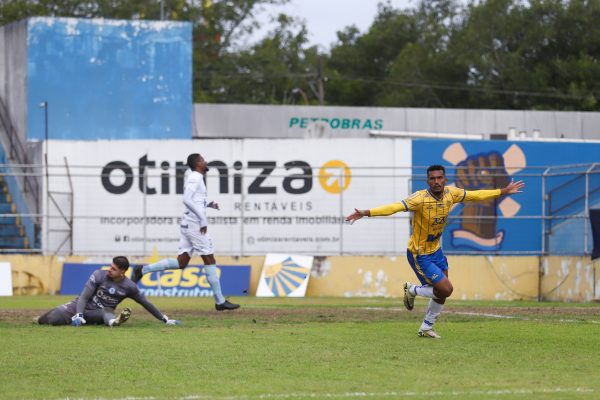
(305, 348)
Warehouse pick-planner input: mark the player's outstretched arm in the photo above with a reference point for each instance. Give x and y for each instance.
(512, 188)
(357, 214)
(151, 308)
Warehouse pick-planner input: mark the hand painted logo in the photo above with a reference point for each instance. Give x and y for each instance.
(285, 277)
(478, 227)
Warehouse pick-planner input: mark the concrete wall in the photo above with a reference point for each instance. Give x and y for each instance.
(109, 79)
(570, 278)
(13, 73)
(473, 277)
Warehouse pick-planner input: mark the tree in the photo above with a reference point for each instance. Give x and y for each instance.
(276, 70)
(428, 71)
(358, 64)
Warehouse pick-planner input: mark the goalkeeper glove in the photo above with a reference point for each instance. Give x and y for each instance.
(77, 320)
(168, 321)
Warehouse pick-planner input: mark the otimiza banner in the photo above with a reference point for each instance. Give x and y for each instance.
(190, 281)
(275, 196)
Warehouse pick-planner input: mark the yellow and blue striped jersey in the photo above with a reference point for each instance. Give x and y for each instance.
(430, 214)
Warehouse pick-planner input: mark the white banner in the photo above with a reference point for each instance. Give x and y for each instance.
(5, 279)
(284, 275)
(286, 196)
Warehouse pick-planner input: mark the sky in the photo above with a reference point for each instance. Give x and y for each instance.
(325, 17)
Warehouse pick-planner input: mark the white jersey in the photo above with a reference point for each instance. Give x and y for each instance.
(195, 199)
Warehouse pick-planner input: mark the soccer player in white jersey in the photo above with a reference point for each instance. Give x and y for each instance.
(430, 208)
(194, 234)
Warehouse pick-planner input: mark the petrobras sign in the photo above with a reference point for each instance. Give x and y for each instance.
(190, 281)
(276, 121)
(283, 196)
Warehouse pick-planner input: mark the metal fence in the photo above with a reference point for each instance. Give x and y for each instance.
(301, 212)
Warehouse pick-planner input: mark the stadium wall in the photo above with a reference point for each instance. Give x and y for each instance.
(293, 121)
(574, 279)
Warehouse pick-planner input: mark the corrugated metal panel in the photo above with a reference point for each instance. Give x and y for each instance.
(268, 121)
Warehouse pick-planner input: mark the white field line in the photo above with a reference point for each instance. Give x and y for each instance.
(496, 316)
(499, 316)
(351, 395)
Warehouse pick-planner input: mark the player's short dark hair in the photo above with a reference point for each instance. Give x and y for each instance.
(122, 262)
(436, 167)
(192, 160)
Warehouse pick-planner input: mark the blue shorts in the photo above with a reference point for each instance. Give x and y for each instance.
(428, 267)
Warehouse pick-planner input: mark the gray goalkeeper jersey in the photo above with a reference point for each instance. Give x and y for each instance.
(102, 292)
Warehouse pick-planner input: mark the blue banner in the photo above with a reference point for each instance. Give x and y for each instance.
(475, 165)
(191, 281)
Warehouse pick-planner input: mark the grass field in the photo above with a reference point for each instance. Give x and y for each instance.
(305, 349)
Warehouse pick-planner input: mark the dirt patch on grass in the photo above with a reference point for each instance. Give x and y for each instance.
(306, 314)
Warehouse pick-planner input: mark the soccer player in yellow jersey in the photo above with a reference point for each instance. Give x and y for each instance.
(430, 209)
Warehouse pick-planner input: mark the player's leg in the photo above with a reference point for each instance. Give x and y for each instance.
(96, 317)
(183, 259)
(210, 269)
(56, 316)
(60, 315)
(107, 317)
(431, 269)
(426, 277)
(437, 272)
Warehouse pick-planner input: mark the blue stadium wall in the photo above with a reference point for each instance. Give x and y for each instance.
(109, 79)
(521, 234)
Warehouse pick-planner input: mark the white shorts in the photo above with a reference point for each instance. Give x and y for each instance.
(191, 241)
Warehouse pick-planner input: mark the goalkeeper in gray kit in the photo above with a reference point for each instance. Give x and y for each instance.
(101, 295)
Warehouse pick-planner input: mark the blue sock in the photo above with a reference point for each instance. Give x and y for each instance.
(164, 264)
(215, 284)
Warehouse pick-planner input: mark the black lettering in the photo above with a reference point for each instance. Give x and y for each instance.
(305, 178)
(113, 166)
(237, 178)
(143, 163)
(255, 187)
(179, 176)
(164, 178)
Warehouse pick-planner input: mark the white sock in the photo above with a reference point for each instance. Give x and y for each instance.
(164, 264)
(431, 315)
(112, 322)
(215, 283)
(424, 291)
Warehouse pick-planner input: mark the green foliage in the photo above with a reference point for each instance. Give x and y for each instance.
(305, 348)
(273, 71)
(488, 54)
(507, 54)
